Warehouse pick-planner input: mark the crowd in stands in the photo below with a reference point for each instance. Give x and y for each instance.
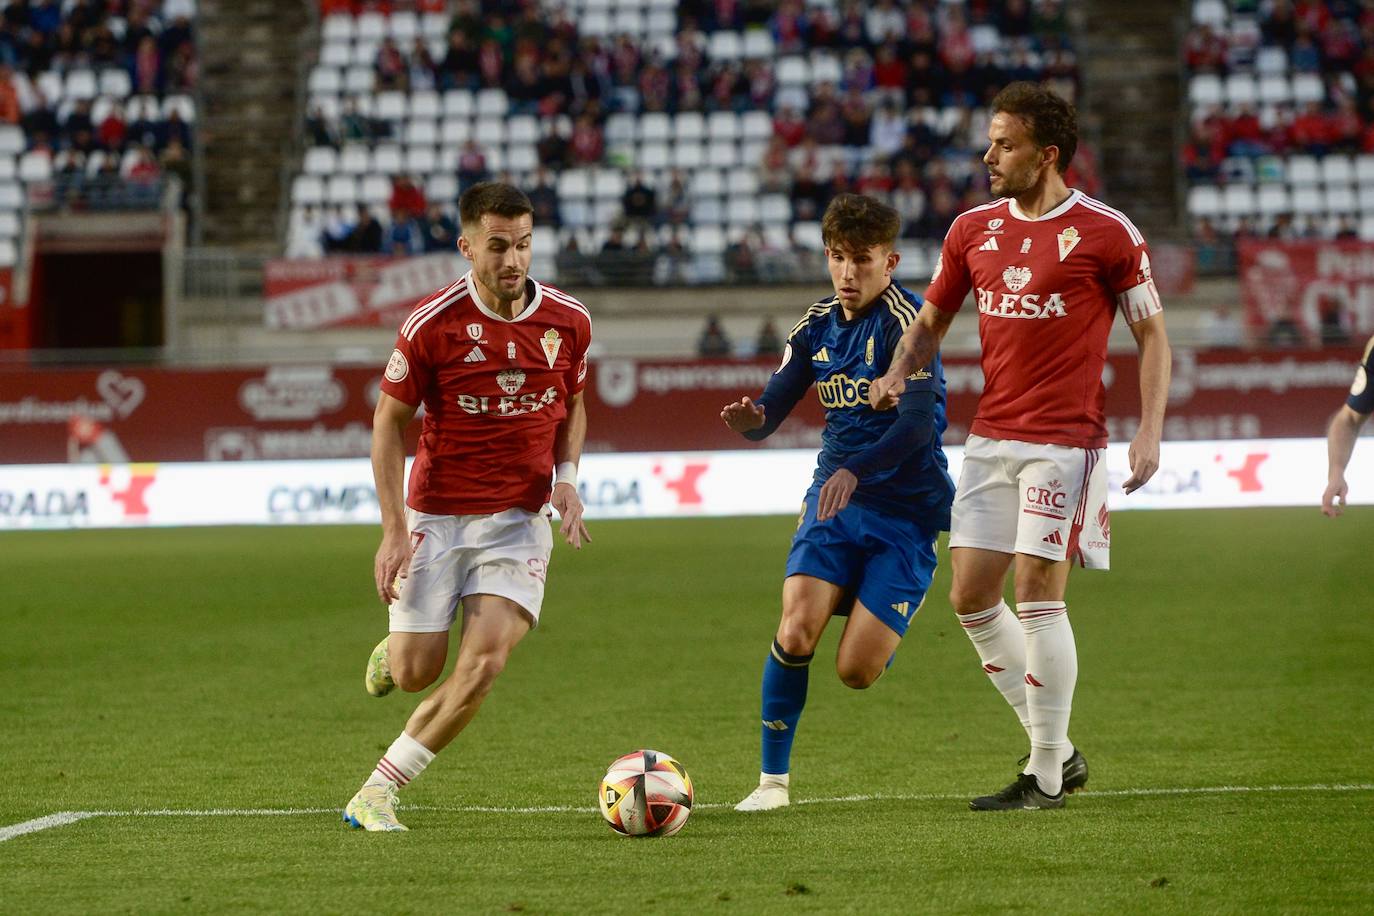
(101, 90)
(887, 102)
(1282, 96)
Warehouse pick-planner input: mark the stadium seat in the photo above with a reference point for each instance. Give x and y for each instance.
(774, 208)
(756, 125)
(342, 190)
(338, 27)
(608, 183)
(706, 183)
(1364, 168)
(454, 132)
(807, 234)
(365, 54)
(1238, 200)
(370, 27)
(653, 156)
(792, 71)
(421, 133)
(723, 125)
(1367, 228)
(743, 212)
(707, 210)
(1210, 12)
(115, 83)
(1271, 60)
(1365, 199)
(1308, 201)
(1274, 89)
(336, 54)
(660, 24)
(725, 45)
(442, 188)
(522, 157)
(387, 159)
(492, 103)
(325, 80)
(655, 126)
(12, 140)
(708, 238)
(375, 190)
(1272, 200)
(9, 166)
(392, 106)
(522, 129)
(353, 160)
(689, 127)
(35, 166)
(825, 68)
(758, 44)
(1205, 90)
(574, 184)
(1241, 89)
(490, 131)
(1303, 170)
(434, 25)
(1337, 169)
(404, 27)
(81, 84)
(10, 225)
(420, 160)
(459, 103)
(426, 104)
(9, 253)
(1307, 87)
(321, 160)
(49, 82)
(687, 155)
(742, 180)
(357, 80)
(1341, 199)
(722, 154)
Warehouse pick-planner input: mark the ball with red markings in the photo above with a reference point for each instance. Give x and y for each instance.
(646, 793)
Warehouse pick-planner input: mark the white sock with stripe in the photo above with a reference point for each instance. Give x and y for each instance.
(1051, 672)
(1002, 648)
(402, 762)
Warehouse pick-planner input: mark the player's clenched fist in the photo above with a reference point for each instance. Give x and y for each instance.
(743, 415)
(882, 394)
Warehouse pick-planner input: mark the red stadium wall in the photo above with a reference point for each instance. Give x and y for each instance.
(292, 412)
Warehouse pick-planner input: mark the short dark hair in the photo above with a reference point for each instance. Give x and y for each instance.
(1049, 117)
(858, 222)
(494, 197)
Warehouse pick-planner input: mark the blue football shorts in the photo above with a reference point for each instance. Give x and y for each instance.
(884, 560)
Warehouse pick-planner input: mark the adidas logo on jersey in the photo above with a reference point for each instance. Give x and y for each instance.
(989, 245)
(821, 356)
(1054, 537)
(475, 355)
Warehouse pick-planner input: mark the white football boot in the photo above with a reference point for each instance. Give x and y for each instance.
(374, 808)
(772, 793)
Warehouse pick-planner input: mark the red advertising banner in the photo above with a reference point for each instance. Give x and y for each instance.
(1306, 289)
(300, 412)
(335, 292)
(15, 330)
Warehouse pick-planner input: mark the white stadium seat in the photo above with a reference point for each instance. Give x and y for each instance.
(1303, 170)
(1337, 169)
(342, 190)
(321, 160)
(1273, 199)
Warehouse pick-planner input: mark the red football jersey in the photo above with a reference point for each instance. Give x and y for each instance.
(494, 392)
(1047, 290)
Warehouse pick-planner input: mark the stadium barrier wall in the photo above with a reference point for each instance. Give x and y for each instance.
(320, 411)
(1192, 475)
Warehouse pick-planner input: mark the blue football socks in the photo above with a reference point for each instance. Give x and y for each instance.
(785, 679)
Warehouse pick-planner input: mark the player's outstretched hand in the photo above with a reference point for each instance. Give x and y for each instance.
(392, 563)
(1333, 500)
(569, 506)
(835, 494)
(883, 392)
(1144, 458)
(742, 416)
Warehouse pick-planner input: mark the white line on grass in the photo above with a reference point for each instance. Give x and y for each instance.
(61, 818)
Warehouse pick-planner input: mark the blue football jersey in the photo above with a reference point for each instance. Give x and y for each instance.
(904, 473)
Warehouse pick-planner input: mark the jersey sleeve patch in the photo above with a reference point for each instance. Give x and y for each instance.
(396, 367)
(1142, 300)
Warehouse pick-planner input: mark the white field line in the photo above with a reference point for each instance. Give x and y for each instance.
(61, 818)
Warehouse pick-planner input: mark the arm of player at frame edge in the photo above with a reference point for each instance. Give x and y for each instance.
(389, 423)
(1341, 434)
(916, 349)
(567, 449)
(1152, 342)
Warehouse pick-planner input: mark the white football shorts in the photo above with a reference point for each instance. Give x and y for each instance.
(505, 554)
(1025, 497)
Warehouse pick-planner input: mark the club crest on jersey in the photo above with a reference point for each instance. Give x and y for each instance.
(397, 368)
(510, 380)
(1068, 240)
(995, 224)
(475, 331)
(868, 352)
(1016, 278)
(551, 342)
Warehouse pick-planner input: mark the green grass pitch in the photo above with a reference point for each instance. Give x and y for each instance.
(221, 669)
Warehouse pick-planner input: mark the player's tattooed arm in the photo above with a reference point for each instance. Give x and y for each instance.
(916, 349)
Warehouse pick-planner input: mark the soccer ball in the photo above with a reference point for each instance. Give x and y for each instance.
(646, 793)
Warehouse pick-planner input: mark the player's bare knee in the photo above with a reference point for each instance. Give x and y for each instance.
(857, 676)
(966, 600)
(413, 676)
(797, 635)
